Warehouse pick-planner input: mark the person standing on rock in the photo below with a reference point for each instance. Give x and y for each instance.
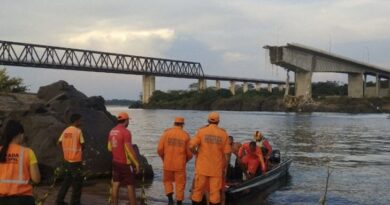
(212, 148)
(72, 143)
(18, 165)
(173, 149)
(125, 163)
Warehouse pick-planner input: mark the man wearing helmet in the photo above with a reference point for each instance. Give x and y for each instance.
(264, 145)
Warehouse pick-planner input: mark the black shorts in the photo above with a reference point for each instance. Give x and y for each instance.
(17, 200)
(122, 173)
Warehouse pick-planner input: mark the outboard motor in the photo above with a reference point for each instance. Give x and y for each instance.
(275, 156)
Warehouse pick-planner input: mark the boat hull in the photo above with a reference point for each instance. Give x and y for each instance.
(260, 183)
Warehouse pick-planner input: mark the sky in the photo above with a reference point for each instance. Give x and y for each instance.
(226, 37)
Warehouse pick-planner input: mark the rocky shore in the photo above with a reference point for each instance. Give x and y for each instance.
(44, 116)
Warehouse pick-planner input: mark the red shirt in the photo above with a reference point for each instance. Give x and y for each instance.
(119, 143)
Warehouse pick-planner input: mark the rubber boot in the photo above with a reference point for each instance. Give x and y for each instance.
(179, 202)
(170, 198)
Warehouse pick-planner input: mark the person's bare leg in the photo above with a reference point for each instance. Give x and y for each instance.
(132, 197)
(114, 194)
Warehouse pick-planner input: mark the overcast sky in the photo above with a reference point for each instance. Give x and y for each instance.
(226, 36)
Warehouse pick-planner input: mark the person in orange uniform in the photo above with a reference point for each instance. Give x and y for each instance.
(72, 143)
(173, 149)
(245, 150)
(212, 148)
(264, 145)
(252, 160)
(18, 165)
(125, 163)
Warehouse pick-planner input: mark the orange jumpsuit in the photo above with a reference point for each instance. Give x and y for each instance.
(173, 149)
(212, 143)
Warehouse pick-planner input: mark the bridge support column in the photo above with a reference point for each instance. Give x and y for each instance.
(202, 84)
(378, 85)
(149, 86)
(280, 87)
(218, 84)
(258, 86)
(303, 84)
(270, 88)
(364, 85)
(233, 87)
(355, 85)
(245, 87)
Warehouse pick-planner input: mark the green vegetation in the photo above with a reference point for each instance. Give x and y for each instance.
(124, 102)
(329, 88)
(329, 96)
(10, 85)
(210, 99)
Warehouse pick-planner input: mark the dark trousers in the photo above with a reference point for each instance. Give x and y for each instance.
(72, 176)
(17, 200)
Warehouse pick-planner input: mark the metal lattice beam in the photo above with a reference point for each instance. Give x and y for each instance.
(33, 55)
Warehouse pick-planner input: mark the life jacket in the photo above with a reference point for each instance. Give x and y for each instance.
(15, 175)
(71, 144)
(262, 147)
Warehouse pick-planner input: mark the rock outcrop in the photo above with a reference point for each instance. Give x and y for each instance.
(44, 117)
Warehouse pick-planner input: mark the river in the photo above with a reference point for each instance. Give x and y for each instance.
(356, 147)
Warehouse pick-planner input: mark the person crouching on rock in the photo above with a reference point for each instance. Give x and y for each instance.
(18, 165)
(124, 159)
(72, 143)
(174, 151)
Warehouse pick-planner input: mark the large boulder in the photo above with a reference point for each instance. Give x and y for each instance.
(47, 117)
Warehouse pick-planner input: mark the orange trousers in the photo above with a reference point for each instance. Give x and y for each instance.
(200, 184)
(177, 177)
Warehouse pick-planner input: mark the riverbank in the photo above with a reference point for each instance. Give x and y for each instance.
(263, 101)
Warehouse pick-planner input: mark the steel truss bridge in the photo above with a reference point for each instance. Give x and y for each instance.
(42, 56)
(53, 57)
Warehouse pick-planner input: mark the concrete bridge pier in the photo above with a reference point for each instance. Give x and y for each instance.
(384, 91)
(149, 86)
(280, 87)
(356, 85)
(218, 84)
(245, 87)
(202, 84)
(270, 88)
(258, 86)
(303, 84)
(233, 87)
(377, 85)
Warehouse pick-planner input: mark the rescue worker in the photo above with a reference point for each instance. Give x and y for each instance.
(125, 163)
(174, 151)
(252, 160)
(234, 173)
(245, 149)
(18, 165)
(264, 145)
(72, 143)
(212, 148)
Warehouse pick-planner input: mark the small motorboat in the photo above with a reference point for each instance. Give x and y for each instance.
(259, 183)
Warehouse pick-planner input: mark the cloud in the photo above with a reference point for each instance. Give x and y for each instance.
(120, 36)
(234, 57)
(225, 36)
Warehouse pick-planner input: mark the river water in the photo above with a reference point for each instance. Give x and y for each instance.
(356, 147)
